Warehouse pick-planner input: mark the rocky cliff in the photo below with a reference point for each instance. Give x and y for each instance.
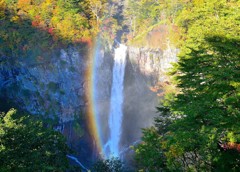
(145, 74)
(53, 88)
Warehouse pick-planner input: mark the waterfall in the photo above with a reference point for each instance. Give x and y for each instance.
(116, 113)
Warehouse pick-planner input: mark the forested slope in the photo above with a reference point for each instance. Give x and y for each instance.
(198, 128)
(28, 25)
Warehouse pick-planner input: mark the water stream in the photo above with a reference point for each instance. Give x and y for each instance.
(78, 162)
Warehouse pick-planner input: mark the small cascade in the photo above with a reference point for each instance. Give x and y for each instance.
(78, 162)
(116, 113)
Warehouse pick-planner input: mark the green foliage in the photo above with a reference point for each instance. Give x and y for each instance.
(145, 15)
(198, 129)
(149, 153)
(52, 86)
(25, 145)
(109, 165)
(141, 15)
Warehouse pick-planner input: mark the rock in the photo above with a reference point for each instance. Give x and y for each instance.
(52, 88)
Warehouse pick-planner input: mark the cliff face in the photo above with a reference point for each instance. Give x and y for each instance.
(153, 63)
(144, 75)
(52, 88)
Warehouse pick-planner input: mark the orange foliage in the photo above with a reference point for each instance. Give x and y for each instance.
(23, 3)
(159, 87)
(36, 21)
(50, 31)
(86, 40)
(230, 146)
(158, 37)
(2, 9)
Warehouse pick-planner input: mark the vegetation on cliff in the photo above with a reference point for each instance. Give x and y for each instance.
(151, 22)
(198, 129)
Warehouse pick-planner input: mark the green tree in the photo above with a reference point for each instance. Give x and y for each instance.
(25, 145)
(208, 76)
(203, 133)
(209, 101)
(149, 154)
(109, 165)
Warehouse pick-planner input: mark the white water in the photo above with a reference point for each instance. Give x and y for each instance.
(116, 114)
(78, 162)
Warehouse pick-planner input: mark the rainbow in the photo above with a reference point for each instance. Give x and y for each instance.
(93, 121)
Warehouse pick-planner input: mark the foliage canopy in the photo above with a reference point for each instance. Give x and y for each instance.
(201, 129)
(25, 145)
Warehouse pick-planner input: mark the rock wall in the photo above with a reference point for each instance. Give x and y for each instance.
(153, 63)
(145, 72)
(53, 88)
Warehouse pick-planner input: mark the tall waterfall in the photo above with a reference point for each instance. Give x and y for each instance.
(116, 113)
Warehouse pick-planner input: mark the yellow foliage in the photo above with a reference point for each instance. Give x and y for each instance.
(48, 2)
(14, 19)
(54, 20)
(65, 29)
(2, 5)
(2, 9)
(24, 3)
(198, 2)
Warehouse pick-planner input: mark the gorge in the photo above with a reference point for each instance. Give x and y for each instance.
(90, 85)
(61, 88)
(99, 102)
